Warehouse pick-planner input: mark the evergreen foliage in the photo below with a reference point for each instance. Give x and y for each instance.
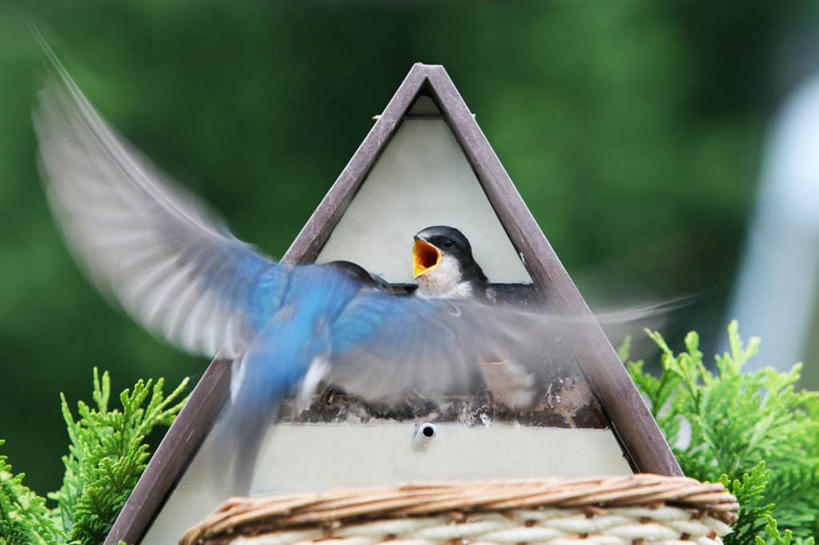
(24, 517)
(106, 456)
(750, 430)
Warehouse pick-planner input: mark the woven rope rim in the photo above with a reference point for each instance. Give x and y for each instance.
(427, 498)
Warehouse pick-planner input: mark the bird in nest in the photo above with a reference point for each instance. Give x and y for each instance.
(444, 267)
(158, 252)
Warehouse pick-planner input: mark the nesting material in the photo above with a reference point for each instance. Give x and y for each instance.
(565, 403)
(640, 509)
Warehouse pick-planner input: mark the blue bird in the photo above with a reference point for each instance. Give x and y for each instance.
(159, 253)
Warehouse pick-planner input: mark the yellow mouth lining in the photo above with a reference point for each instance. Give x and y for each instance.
(424, 257)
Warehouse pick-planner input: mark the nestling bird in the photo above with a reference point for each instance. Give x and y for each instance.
(158, 252)
(444, 267)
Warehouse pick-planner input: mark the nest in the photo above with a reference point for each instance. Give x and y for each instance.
(631, 510)
(568, 404)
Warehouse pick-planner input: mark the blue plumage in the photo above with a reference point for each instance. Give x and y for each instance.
(159, 253)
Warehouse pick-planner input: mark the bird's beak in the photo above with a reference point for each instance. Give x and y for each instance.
(424, 257)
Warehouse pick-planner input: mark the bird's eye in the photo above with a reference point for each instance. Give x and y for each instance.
(447, 243)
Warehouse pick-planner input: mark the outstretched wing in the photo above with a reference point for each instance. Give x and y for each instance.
(146, 243)
(383, 345)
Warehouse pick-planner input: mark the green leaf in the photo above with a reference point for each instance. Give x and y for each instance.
(108, 453)
(751, 430)
(24, 517)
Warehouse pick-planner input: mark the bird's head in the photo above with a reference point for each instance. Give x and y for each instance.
(440, 247)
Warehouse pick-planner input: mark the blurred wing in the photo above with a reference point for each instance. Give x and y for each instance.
(146, 243)
(383, 345)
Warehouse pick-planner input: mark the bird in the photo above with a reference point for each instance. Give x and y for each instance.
(167, 259)
(366, 277)
(162, 255)
(444, 267)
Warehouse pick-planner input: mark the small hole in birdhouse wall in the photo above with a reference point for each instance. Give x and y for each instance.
(423, 435)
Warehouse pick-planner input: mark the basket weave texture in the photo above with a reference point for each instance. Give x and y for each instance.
(640, 509)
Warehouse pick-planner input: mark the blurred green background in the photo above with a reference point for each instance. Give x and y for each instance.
(633, 129)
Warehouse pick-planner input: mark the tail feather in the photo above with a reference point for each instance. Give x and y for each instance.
(271, 369)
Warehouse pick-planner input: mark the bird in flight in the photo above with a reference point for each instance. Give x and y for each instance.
(158, 252)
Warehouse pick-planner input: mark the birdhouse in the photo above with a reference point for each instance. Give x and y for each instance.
(425, 162)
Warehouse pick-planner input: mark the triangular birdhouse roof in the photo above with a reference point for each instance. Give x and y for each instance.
(427, 90)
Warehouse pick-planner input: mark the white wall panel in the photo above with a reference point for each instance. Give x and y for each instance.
(422, 178)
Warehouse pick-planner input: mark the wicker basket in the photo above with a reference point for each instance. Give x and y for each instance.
(633, 510)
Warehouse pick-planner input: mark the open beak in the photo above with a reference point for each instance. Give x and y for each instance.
(424, 257)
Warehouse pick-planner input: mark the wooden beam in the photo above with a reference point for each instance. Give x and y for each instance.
(174, 453)
(316, 231)
(631, 420)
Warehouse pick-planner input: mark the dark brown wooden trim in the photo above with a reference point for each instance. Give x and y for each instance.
(174, 453)
(636, 429)
(631, 420)
(314, 234)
